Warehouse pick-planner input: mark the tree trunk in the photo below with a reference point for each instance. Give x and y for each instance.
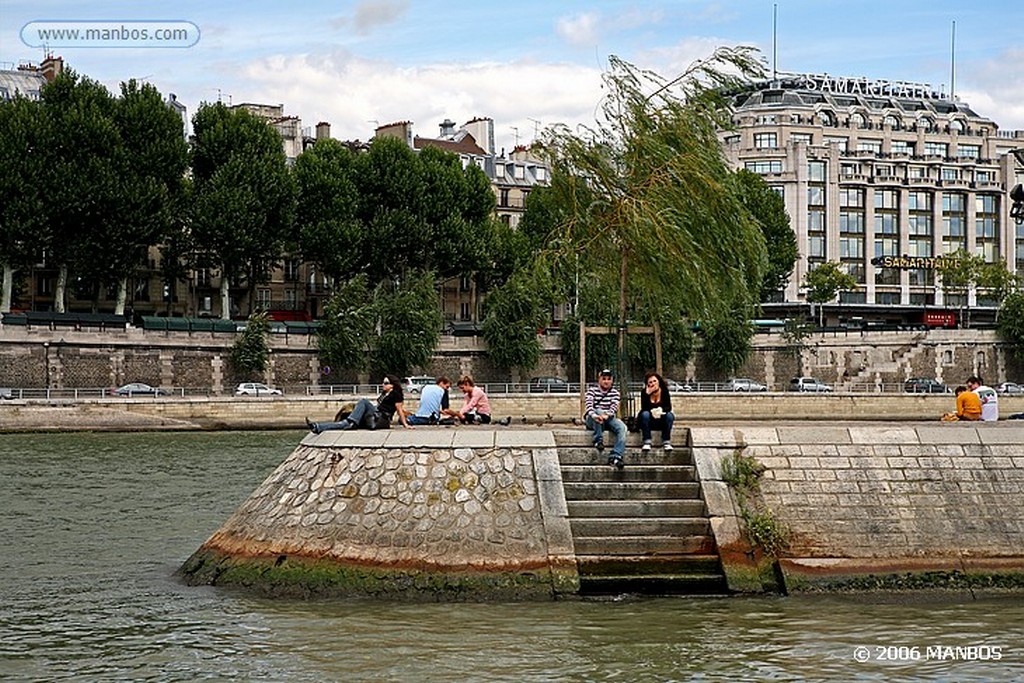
(8, 285)
(62, 284)
(122, 296)
(225, 298)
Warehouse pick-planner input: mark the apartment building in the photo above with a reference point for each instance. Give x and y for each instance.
(883, 177)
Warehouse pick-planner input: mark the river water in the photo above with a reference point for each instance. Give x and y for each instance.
(93, 527)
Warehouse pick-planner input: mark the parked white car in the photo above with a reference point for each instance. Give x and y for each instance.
(256, 389)
(810, 384)
(415, 384)
(744, 384)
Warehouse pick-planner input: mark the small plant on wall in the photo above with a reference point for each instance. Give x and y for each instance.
(742, 473)
(250, 352)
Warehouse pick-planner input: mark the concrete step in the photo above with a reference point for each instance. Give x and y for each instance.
(655, 584)
(587, 455)
(636, 565)
(622, 527)
(649, 546)
(630, 473)
(617, 489)
(636, 508)
(580, 436)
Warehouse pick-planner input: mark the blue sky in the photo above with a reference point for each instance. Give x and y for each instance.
(525, 64)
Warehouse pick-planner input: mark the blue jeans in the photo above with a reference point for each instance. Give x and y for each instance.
(420, 420)
(665, 422)
(615, 425)
(363, 408)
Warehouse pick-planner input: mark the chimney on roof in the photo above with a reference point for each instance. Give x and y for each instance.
(52, 67)
(447, 128)
(323, 130)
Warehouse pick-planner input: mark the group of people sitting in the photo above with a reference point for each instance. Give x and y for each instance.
(434, 408)
(602, 404)
(975, 402)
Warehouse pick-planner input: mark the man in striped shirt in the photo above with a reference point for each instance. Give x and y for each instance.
(602, 404)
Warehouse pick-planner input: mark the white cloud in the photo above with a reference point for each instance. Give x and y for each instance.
(356, 95)
(995, 88)
(370, 14)
(581, 30)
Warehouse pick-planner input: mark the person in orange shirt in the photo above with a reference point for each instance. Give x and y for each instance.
(968, 406)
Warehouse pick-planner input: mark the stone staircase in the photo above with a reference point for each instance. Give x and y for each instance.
(643, 529)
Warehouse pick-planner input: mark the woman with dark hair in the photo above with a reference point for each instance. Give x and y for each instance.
(368, 415)
(655, 411)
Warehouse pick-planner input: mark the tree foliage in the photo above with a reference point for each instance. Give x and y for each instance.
(826, 281)
(24, 135)
(769, 209)
(250, 352)
(649, 201)
(513, 314)
(408, 323)
(727, 342)
(244, 195)
(1011, 322)
(345, 336)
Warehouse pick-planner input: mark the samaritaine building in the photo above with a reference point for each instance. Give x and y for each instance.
(881, 176)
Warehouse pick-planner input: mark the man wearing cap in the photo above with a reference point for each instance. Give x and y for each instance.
(602, 403)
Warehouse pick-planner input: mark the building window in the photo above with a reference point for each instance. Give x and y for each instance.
(874, 146)
(954, 222)
(841, 143)
(464, 311)
(291, 270)
(968, 151)
(858, 121)
(851, 197)
(888, 298)
(464, 283)
(816, 246)
(849, 170)
(816, 171)
(986, 226)
(764, 167)
(902, 147)
(887, 276)
(919, 201)
(886, 199)
(984, 176)
(950, 173)
(921, 277)
(851, 248)
(503, 200)
(263, 299)
(816, 220)
(935, 149)
(815, 195)
(893, 122)
(826, 118)
(801, 138)
(766, 140)
(291, 300)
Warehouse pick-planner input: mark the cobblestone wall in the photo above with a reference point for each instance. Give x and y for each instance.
(880, 499)
(435, 511)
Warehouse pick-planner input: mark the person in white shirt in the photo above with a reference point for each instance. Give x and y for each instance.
(989, 398)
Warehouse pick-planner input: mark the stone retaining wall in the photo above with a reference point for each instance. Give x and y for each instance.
(430, 514)
(877, 505)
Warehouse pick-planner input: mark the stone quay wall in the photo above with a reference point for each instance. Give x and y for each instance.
(859, 361)
(426, 514)
(876, 506)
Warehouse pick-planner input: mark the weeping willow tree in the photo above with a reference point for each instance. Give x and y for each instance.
(650, 207)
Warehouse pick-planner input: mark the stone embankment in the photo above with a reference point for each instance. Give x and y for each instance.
(473, 513)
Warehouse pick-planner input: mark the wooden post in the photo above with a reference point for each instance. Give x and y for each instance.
(583, 368)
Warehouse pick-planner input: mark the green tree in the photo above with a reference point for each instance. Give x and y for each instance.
(153, 160)
(244, 197)
(84, 156)
(24, 137)
(345, 337)
(250, 352)
(659, 211)
(1011, 322)
(769, 209)
(408, 323)
(997, 282)
(513, 314)
(727, 342)
(824, 283)
(330, 232)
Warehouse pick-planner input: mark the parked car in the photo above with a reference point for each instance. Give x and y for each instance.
(548, 385)
(744, 384)
(415, 384)
(925, 385)
(1010, 388)
(809, 384)
(256, 389)
(675, 387)
(138, 389)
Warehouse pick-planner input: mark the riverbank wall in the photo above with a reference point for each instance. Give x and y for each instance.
(480, 513)
(869, 507)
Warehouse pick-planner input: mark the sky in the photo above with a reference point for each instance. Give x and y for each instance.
(527, 64)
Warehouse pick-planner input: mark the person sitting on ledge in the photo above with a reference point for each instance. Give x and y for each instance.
(369, 415)
(433, 403)
(476, 407)
(968, 406)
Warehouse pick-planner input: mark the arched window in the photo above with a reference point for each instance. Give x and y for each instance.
(956, 126)
(893, 122)
(857, 120)
(826, 118)
(927, 124)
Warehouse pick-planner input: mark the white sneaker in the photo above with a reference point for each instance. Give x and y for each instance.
(646, 447)
(667, 446)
